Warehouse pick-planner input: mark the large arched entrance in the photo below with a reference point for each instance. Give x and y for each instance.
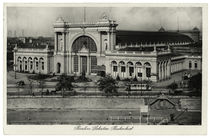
(85, 60)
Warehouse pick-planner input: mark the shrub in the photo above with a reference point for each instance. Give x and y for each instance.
(39, 77)
(126, 79)
(173, 86)
(108, 85)
(82, 78)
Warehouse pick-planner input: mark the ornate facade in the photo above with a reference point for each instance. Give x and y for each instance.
(91, 48)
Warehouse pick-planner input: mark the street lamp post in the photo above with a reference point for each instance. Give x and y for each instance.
(15, 65)
(141, 85)
(15, 50)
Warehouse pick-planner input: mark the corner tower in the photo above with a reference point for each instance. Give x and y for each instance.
(60, 55)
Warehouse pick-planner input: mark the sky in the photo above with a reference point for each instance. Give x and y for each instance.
(38, 21)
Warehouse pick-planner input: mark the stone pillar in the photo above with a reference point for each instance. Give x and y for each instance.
(70, 64)
(28, 67)
(15, 61)
(56, 42)
(169, 70)
(126, 71)
(34, 64)
(64, 42)
(163, 71)
(119, 71)
(108, 40)
(111, 69)
(40, 63)
(88, 64)
(159, 71)
(143, 73)
(111, 41)
(79, 66)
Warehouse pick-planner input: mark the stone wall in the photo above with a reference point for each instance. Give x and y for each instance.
(74, 102)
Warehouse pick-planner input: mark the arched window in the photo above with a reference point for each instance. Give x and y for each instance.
(130, 68)
(42, 63)
(122, 64)
(36, 63)
(138, 64)
(18, 59)
(139, 69)
(84, 41)
(19, 62)
(148, 69)
(114, 65)
(30, 61)
(25, 63)
(196, 65)
(190, 64)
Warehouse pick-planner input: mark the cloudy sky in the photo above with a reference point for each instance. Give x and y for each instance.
(38, 21)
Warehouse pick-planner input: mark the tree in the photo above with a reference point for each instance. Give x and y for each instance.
(107, 85)
(173, 86)
(195, 82)
(64, 83)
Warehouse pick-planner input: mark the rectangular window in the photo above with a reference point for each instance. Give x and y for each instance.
(75, 63)
(93, 64)
(139, 74)
(123, 69)
(114, 68)
(148, 72)
(196, 65)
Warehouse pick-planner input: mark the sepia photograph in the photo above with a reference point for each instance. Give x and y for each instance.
(90, 66)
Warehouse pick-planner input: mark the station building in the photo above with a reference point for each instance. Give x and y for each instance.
(100, 47)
